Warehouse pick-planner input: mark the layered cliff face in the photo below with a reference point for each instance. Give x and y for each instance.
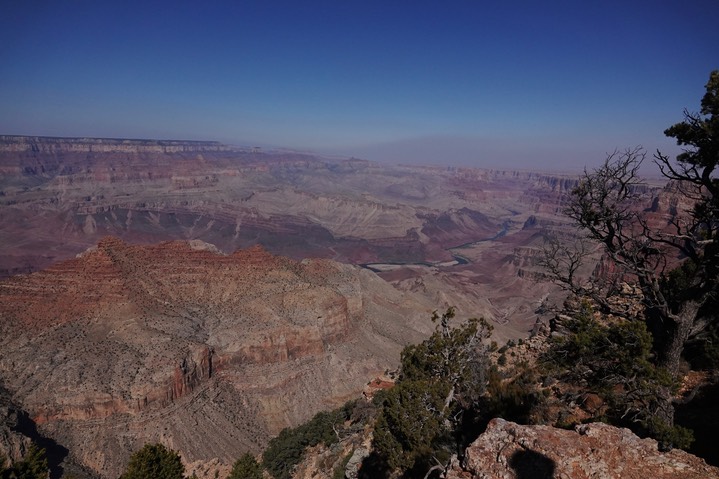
(60, 196)
(40, 144)
(465, 237)
(208, 353)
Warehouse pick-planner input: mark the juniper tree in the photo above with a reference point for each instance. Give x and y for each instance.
(156, 461)
(604, 205)
(246, 467)
(440, 378)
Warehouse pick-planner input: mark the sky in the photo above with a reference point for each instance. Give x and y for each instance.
(551, 84)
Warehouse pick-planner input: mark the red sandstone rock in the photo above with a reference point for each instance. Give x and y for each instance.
(210, 354)
(509, 451)
(59, 196)
(380, 383)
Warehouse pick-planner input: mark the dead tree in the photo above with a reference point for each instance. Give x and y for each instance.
(604, 205)
(676, 267)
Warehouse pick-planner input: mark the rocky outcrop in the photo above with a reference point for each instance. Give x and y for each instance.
(511, 451)
(208, 353)
(13, 443)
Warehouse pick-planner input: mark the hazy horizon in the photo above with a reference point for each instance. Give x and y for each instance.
(468, 83)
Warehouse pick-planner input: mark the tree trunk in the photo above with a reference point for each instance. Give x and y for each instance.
(681, 327)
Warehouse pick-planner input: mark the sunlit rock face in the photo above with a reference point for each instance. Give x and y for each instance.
(208, 353)
(177, 341)
(511, 451)
(464, 237)
(456, 235)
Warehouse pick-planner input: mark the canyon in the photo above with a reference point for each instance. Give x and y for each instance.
(207, 296)
(459, 236)
(210, 353)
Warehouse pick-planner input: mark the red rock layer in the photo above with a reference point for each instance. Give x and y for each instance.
(209, 353)
(512, 451)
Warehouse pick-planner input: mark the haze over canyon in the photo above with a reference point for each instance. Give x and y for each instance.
(165, 290)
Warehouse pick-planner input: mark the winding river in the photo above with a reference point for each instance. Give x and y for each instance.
(458, 258)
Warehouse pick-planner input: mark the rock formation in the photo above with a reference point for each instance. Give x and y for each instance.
(13, 443)
(175, 342)
(455, 235)
(510, 451)
(464, 237)
(210, 354)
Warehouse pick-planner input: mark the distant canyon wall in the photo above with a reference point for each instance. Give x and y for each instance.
(59, 196)
(52, 145)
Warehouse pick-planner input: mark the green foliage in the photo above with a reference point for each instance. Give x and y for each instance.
(668, 436)
(614, 360)
(246, 467)
(513, 398)
(696, 168)
(700, 134)
(379, 398)
(32, 466)
(677, 284)
(454, 355)
(285, 451)
(502, 359)
(703, 351)
(339, 472)
(603, 357)
(156, 461)
(439, 379)
(412, 424)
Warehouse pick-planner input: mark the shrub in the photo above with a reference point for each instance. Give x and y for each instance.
(412, 426)
(155, 461)
(32, 466)
(615, 361)
(246, 467)
(440, 380)
(285, 451)
(514, 398)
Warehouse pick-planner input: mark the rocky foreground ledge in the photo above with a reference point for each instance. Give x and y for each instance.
(508, 450)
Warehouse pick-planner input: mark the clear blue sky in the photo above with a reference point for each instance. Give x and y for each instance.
(536, 84)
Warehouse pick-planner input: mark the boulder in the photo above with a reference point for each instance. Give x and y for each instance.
(511, 451)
